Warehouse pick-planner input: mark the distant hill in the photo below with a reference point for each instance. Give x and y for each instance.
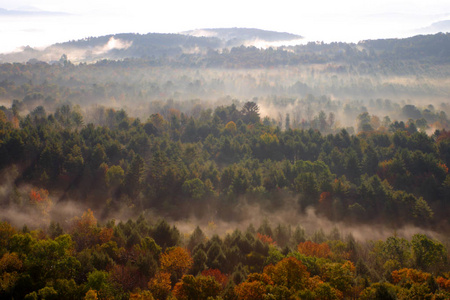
(117, 46)
(233, 37)
(151, 45)
(441, 26)
(30, 13)
(129, 45)
(149, 40)
(204, 47)
(420, 47)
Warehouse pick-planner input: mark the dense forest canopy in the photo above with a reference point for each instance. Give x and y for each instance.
(308, 172)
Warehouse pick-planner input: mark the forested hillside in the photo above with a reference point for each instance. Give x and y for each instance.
(310, 172)
(235, 48)
(225, 165)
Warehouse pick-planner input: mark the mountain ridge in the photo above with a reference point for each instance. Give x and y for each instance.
(133, 45)
(223, 48)
(236, 36)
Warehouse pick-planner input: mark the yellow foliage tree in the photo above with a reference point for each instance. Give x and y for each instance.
(10, 264)
(91, 295)
(85, 231)
(231, 127)
(289, 272)
(142, 295)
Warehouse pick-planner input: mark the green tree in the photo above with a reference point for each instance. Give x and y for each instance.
(164, 235)
(99, 281)
(196, 238)
(115, 176)
(133, 176)
(194, 188)
(398, 249)
(74, 162)
(250, 112)
(429, 255)
(52, 259)
(364, 122)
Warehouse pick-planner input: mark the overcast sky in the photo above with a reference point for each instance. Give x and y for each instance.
(318, 20)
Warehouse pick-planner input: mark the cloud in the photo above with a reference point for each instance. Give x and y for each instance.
(53, 53)
(112, 44)
(30, 13)
(263, 44)
(201, 33)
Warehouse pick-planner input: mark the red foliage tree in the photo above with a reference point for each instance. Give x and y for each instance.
(266, 239)
(219, 276)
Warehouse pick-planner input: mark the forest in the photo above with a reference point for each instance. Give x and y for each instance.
(142, 259)
(166, 179)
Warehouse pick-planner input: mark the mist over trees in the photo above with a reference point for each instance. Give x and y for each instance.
(309, 172)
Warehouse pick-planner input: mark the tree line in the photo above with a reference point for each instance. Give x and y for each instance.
(149, 259)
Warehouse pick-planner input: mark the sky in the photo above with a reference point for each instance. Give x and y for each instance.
(53, 21)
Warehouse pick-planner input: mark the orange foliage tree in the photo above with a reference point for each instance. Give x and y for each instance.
(160, 285)
(254, 288)
(176, 261)
(199, 288)
(408, 276)
(250, 290)
(309, 248)
(444, 281)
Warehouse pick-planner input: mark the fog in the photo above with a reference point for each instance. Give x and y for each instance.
(246, 214)
(290, 215)
(53, 53)
(302, 92)
(340, 91)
